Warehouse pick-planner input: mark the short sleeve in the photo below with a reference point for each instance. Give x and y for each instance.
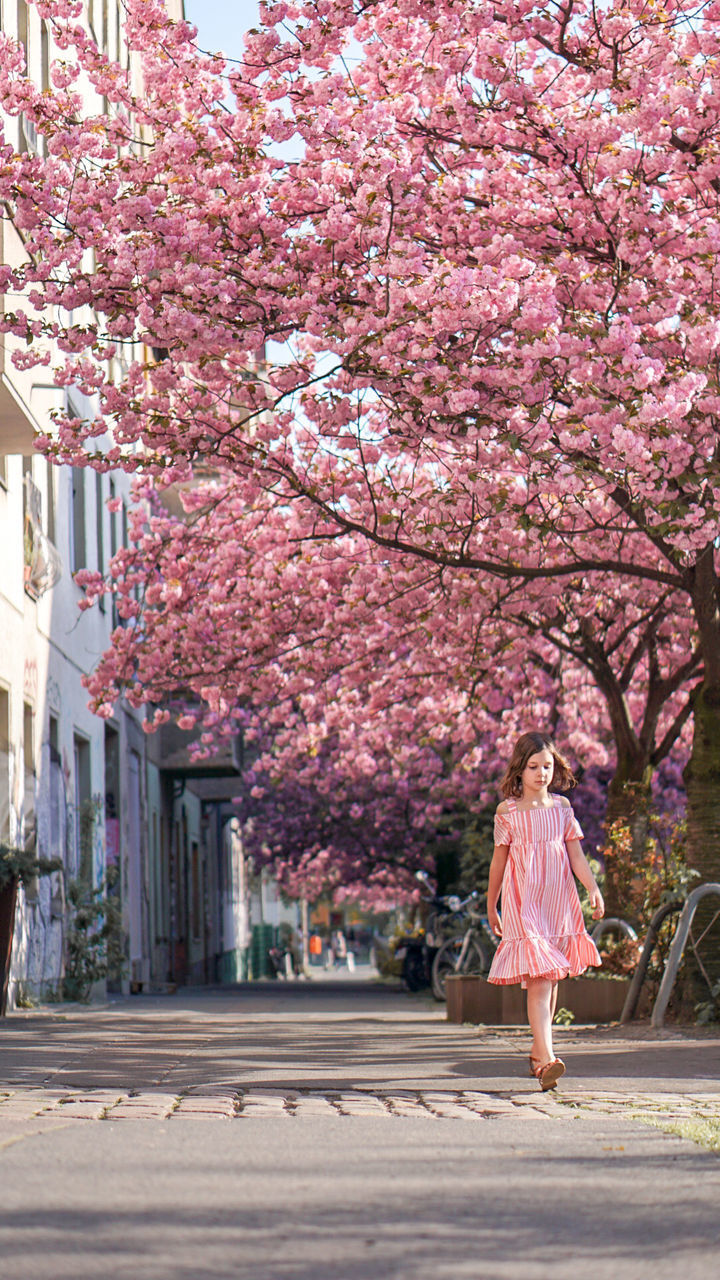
(503, 830)
(573, 830)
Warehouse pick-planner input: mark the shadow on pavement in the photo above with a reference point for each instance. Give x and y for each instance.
(288, 1035)
(425, 1201)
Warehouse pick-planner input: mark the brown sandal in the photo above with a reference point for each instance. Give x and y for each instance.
(549, 1074)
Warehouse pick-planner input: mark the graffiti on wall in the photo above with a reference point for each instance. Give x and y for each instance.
(30, 678)
(53, 694)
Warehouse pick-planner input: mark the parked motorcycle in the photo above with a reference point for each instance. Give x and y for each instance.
(414, 954)
(283, 963)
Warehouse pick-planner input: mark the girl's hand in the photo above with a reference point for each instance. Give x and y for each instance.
(495, 922)
(597, 904)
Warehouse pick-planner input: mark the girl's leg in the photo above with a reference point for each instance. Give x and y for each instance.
(540, 995)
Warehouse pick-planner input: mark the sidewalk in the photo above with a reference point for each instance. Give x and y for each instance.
(343, 1131)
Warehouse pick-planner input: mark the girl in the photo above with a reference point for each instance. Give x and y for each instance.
(537, 849)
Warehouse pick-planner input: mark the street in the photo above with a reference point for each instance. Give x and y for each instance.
(343, 1130)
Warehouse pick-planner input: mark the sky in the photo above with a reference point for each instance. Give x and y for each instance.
(221, 23)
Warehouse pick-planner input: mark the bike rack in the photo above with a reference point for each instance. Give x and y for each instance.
(613, 922)
(678, 947)
(633, 995)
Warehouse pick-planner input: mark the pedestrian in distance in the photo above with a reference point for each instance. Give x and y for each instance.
(341, 948)
(537, 854)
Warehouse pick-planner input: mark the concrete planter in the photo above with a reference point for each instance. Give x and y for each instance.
(472, 999)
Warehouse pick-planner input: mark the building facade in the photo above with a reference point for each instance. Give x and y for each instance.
(138, 828)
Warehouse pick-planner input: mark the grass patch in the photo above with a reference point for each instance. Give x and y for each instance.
(703, 1132)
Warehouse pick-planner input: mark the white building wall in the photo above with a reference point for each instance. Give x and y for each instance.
(55, 745)
(54, 748)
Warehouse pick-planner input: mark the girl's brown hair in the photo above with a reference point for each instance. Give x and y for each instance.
(527, 745)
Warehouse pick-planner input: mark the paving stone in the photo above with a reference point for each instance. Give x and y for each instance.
(144, 1106)
(408, 1107)
(309, 1105)
(212, 1091)
(40, 1107)
(263, 1104)
(215, 1104)
(449, 1107)
(488, 1104)
(88, 1107)
(18, 1108)
(359, 1104)
(179, 1117)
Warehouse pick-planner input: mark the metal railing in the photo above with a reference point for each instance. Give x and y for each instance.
(612, 923)
(677, 949)
(653, 933)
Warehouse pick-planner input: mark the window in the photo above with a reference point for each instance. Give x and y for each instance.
(5, 766)
(196, 894)
(79, 556)
(26, 475)
(29, 818)
(98, 15)
(42, 565)
(57, 826)
(29, 737)
(122, 52)
(50, 504)
(100, 530)
(27, 133)
(158, 894)
(44, 57)
(112, 797)
(113, 522)
(83, 810)
(29, 532)
(113, 546)
(22, 26)
(112, 27)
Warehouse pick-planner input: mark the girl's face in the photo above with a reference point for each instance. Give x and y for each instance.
(538, 772)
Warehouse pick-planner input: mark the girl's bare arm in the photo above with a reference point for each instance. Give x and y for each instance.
(497, 869)
(581, 868)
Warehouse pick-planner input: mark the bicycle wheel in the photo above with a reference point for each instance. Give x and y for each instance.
(477, 960)
(443, 964)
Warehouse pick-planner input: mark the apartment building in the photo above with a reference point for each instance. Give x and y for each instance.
(127, 815)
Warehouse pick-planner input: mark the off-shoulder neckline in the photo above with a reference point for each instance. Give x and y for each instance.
(513, 806)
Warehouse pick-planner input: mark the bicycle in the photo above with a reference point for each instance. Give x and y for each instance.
(470, 952)
(417, 949)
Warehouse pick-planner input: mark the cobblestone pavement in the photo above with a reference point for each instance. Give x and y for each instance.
(50, 1106)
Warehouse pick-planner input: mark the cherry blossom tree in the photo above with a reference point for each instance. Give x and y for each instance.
(374, 685)
(482, 239)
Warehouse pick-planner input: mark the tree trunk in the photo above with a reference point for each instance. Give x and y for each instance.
(702, 782)
(628, 802)
(702, 772)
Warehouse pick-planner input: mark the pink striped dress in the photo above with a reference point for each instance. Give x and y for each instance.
(543, 931)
